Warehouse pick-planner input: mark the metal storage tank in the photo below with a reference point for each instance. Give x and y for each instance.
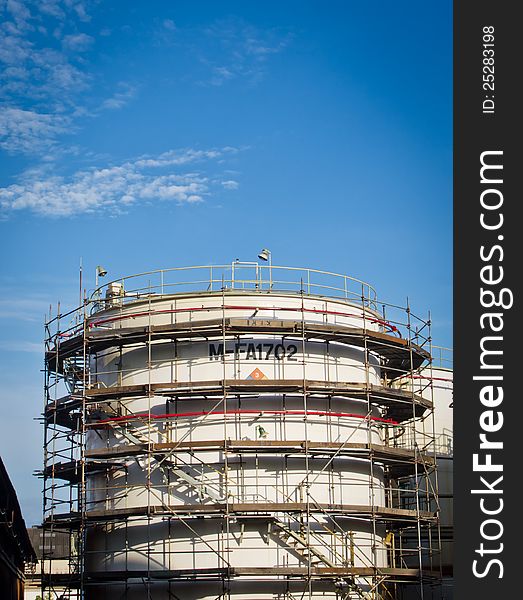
(231, 432)
(435, 432)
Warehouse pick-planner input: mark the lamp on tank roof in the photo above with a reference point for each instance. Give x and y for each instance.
(266, 255)
(100, 272)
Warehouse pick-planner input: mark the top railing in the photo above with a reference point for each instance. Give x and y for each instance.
(241, 276)
(442, 358)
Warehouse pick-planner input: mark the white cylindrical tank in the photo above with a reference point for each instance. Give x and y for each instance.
(210, 478)
(436, 434)
(237, 443)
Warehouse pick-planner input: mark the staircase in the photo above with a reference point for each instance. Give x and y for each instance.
(75, 373)
(300, 545)
(203, 488)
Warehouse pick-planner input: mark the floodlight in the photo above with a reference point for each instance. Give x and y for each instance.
(264, 254)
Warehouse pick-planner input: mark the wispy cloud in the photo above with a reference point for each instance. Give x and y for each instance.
(238, 50)
(45, 74)
(20, 308)
(60, 8)
(22, 346)
(78, 42)
(121, 97)
(230, 184)
(169, 24)
(35, 66)
(28, 131)
(114, 189)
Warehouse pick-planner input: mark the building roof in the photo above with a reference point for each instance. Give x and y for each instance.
(12, 525)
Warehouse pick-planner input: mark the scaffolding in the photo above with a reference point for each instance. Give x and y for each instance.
(371, 550)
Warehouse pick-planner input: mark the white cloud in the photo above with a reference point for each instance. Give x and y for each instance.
(14, 49)
(35, 74)
(230, 184)
(243, 50)
(80, 8)
(121, 97)
(79, 42)
(52, 8)
(18, 10)
(29, 131)
(60, 8)
(22, 346)
(114, 189)
(46, 67)
(173, 157)
(21, 308)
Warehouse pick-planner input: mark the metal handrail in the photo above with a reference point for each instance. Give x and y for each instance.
(442, 357)
(261, 277)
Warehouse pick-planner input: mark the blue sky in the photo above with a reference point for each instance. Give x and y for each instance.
(143, 135)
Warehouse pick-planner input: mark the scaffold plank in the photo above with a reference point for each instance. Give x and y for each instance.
(398, 354)
(381, 513)
(390, 574)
